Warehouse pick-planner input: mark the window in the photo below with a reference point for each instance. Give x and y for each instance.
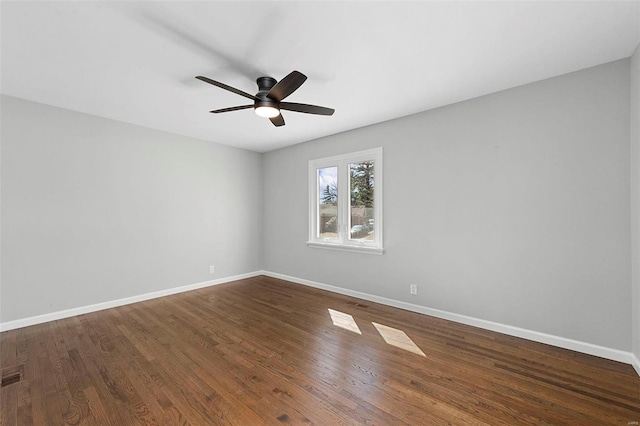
(345, 202)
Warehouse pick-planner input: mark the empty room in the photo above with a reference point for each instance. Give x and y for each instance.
(310, 212)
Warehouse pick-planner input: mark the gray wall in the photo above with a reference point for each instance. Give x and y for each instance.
(94, 210)
(513, 207)
(635, 198)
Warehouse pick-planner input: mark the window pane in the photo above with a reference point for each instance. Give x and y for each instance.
(361, 207)
(328, 202)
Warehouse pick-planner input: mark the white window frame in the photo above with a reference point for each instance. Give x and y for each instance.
(343, 242)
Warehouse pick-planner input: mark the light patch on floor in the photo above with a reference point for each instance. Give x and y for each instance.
(346, 321)
(398, 338)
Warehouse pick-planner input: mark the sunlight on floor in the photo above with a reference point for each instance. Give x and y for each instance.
(391, 336)
(342, 320)
(397, 338)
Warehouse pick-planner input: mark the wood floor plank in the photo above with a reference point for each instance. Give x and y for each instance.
(9, 404)
(98, 413)
(266, 351)
(8, 349)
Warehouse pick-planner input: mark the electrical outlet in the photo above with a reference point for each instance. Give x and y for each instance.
(212, 269)
(413, 289)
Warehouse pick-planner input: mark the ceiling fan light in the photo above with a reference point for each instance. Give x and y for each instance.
(267, 111)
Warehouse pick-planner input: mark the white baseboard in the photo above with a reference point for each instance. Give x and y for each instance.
(562, 342)
(25, 322)
(635, 362)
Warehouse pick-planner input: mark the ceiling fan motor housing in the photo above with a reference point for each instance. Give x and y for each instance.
(264, 85)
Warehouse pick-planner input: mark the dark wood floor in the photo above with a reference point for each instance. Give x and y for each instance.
(266, 351)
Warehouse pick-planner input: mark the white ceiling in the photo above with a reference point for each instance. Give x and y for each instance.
(371, 61)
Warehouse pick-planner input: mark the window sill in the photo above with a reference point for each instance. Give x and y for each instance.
(344, 247)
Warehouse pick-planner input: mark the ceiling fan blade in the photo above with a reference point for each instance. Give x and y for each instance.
(235, 108)
(277, 120)
(307, 109)
(225, 87)
(286, 86)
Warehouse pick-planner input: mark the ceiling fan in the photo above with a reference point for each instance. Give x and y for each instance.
(268, 101)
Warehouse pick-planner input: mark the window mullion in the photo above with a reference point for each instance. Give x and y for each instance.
(343, 196)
